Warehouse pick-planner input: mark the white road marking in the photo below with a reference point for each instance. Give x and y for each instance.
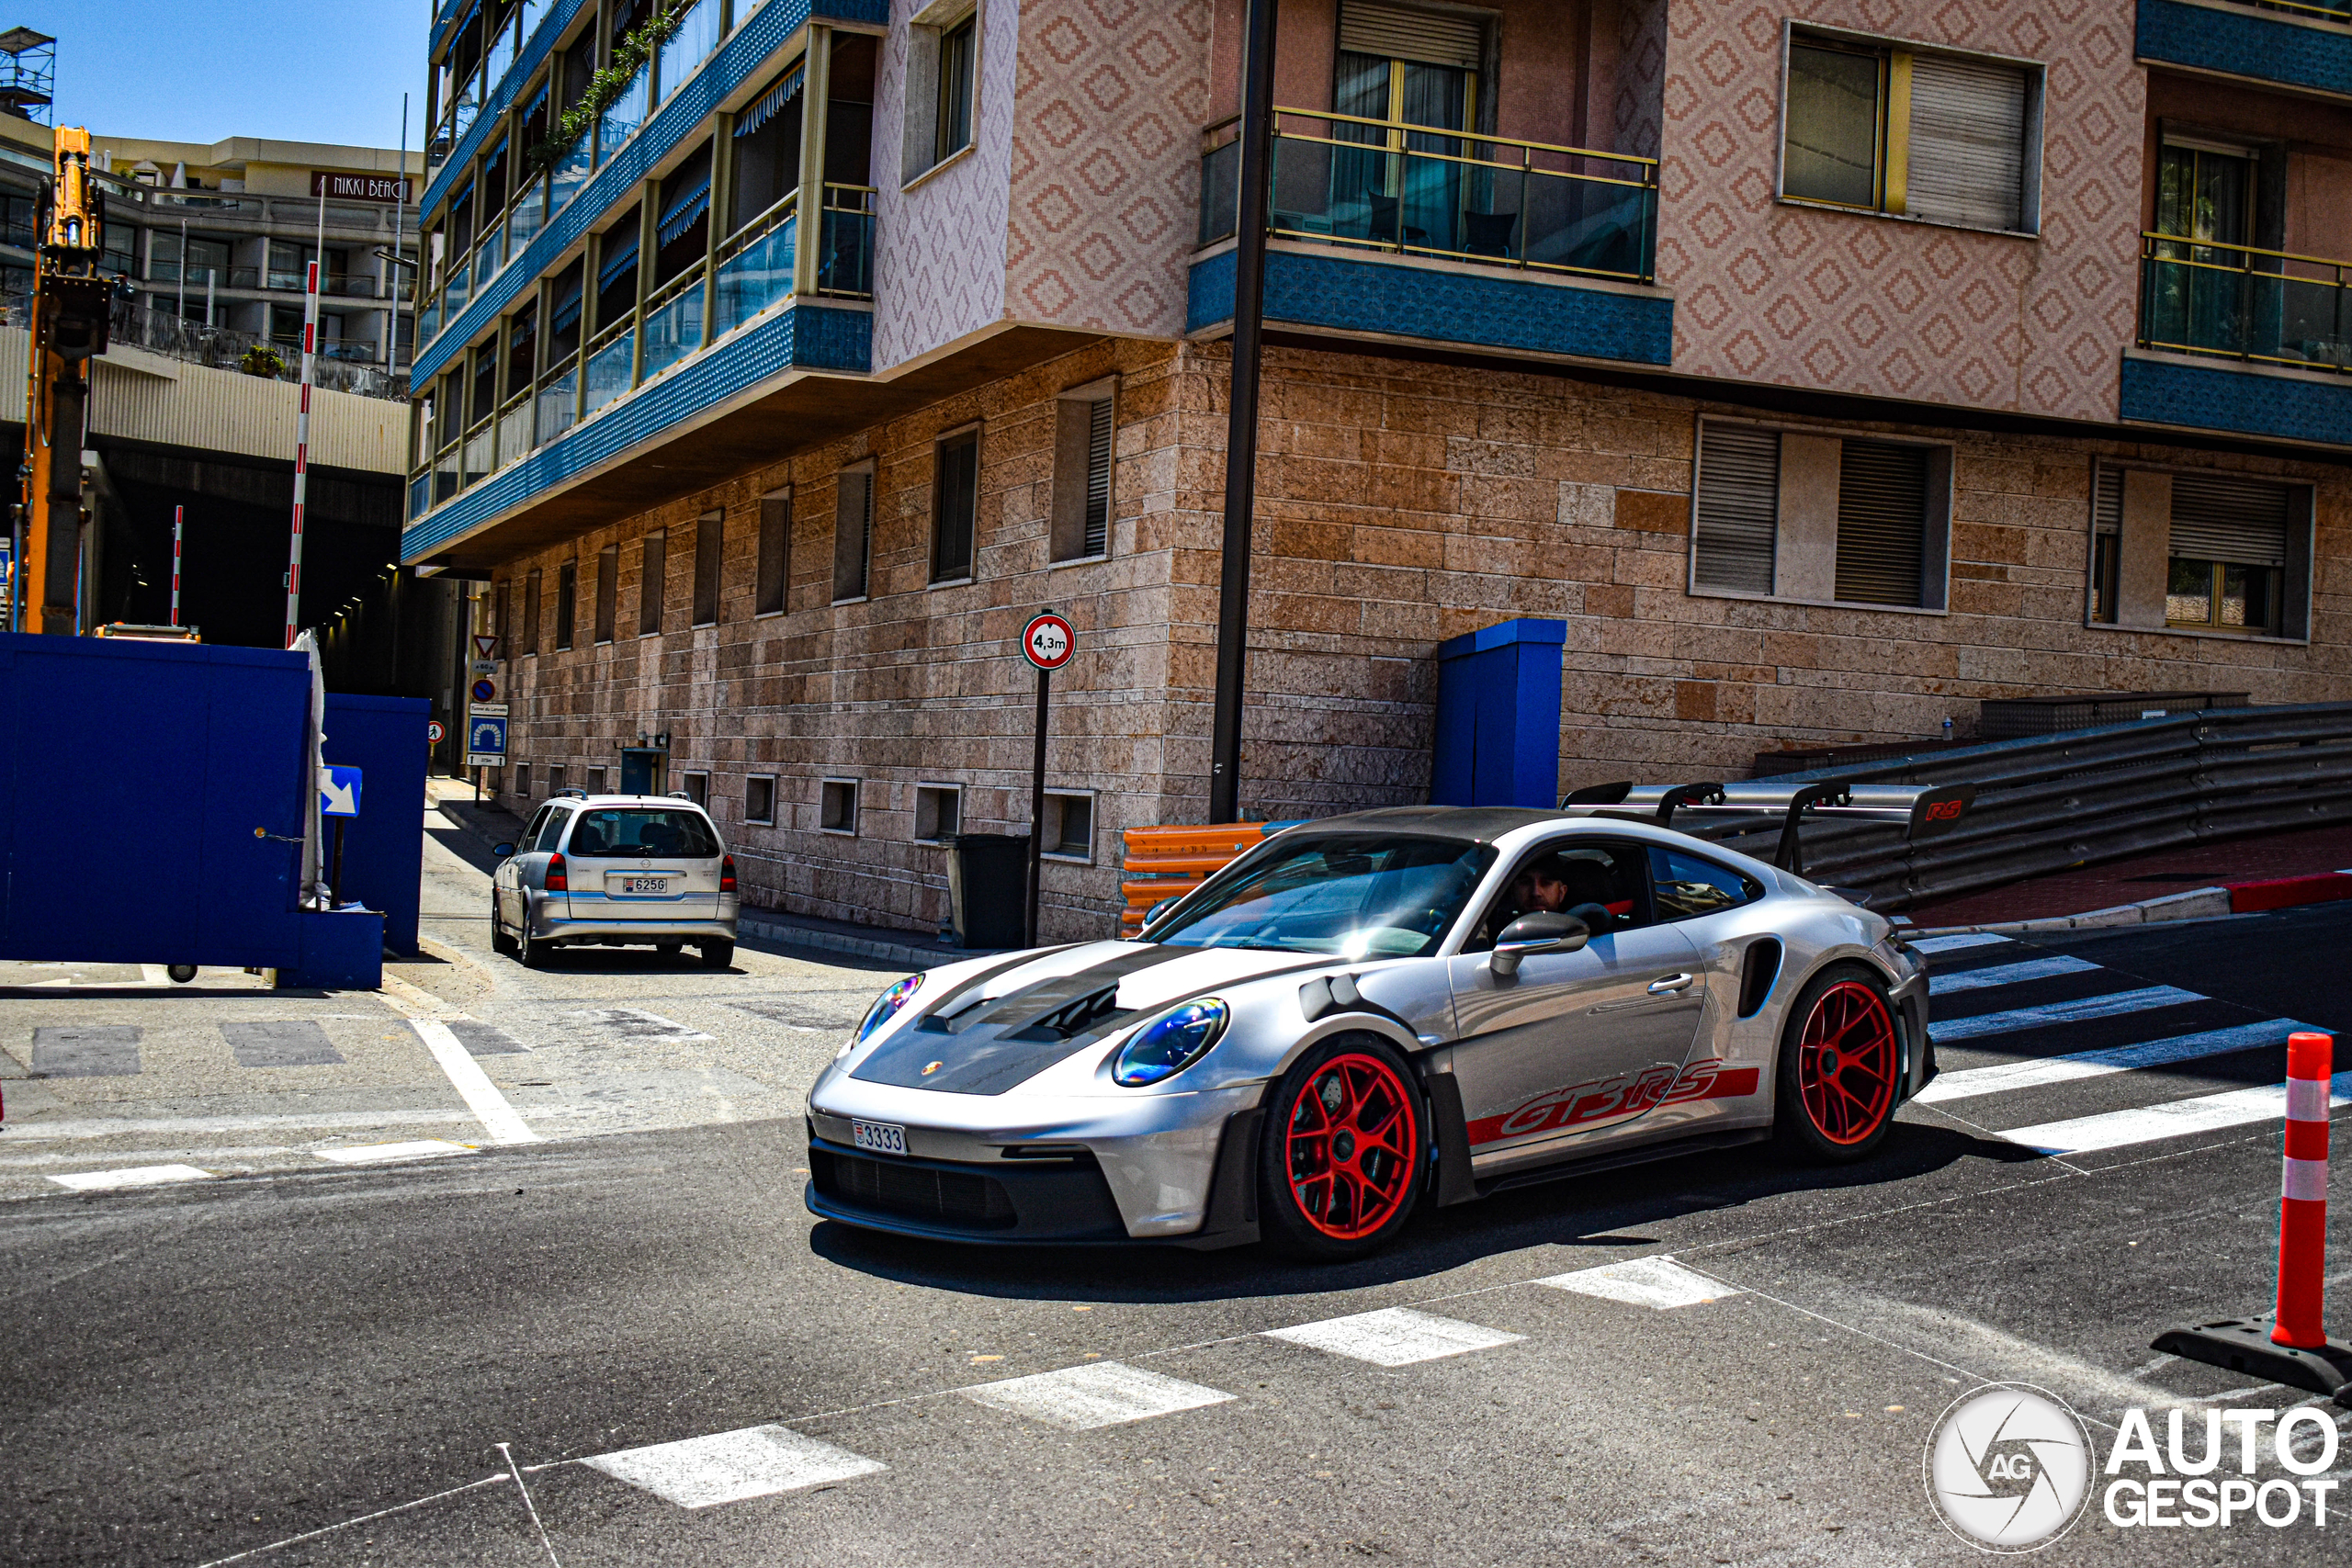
(1973, 1081)
(2006, 975)
(1394, 1336)
(1658, 1282)
(2176, 1119)
(473, 1085)
(137, 1176)
(1955, 941)
(2108, 1006)
(730, 1467)
(377, 1154)
(639, 1024)
(1099, 1394)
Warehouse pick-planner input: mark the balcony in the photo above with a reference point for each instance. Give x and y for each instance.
(342, 367)
(2233, 337)
(1382, 227)
(2296, 43)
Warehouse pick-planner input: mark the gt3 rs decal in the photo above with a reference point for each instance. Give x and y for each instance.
(1622, 1095)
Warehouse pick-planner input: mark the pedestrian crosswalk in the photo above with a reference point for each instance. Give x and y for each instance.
(2062, 1055)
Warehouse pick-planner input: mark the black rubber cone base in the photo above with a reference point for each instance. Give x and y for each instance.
(2242, 1345)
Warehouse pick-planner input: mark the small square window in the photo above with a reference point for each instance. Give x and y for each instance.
(939, 812)
(595, 781)
(1070, 828)
(523, 780)
(697, 787)
(555, 781)
(759, 798)
(837, 805)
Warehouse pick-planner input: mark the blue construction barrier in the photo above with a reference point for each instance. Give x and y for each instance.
(1498, 717)
(383, 847)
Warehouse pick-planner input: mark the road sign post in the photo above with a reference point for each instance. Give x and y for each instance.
(339, 802)
(1048, 643)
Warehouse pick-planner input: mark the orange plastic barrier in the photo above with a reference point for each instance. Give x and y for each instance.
(1163, 862)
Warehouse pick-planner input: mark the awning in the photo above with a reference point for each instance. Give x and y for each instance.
(768, 108)
(538, 99)
(566, 314)
(684, 208)
(617, 263)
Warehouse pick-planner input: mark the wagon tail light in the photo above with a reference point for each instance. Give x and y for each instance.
(558, 881)
(727, 875)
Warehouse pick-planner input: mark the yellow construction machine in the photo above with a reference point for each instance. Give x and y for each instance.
(70, 308)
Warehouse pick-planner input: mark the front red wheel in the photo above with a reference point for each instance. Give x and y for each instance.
(1841, 1065)
(1344, 1147)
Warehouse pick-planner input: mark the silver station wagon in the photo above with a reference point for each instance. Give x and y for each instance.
(616, 871)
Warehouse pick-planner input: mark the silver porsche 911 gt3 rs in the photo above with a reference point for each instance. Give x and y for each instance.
(1367, 1014)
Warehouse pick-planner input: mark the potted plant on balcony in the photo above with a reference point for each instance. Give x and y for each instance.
(605, 87)
(263, 360)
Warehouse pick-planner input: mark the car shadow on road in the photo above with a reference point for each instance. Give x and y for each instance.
(1606, 1212)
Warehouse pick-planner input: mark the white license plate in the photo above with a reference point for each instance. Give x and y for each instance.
(879, 1137)
(645, 884)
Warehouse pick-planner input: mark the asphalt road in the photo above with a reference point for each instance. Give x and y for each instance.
(452, 1360)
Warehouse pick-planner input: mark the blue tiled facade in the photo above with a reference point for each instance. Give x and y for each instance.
(2220, 397)
(2262, 46)
(1499, 310)
(805, 336)
(501, 99)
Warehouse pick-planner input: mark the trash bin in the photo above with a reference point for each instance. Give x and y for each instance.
(988, 887)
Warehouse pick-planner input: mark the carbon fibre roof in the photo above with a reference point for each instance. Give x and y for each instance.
(1471, 824)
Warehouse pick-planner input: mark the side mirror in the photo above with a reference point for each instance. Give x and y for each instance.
(1535, 933)
(501, 852)
(1157, 910)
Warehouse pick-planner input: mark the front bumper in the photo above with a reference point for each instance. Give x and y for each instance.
(1159, 1159)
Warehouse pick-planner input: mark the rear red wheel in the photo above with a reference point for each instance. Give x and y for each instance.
(1841, 1065)
(1345, 1145)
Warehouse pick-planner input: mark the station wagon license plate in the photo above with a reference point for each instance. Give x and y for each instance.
(879, 1137)
(645, 884)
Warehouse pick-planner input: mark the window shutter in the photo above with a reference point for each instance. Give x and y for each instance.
(2107, 502)
(1739, 508)
(1097, 478)
(1882, 523)
(853, 533)
(1401, 32)
(2218, 517)
(1967, 162)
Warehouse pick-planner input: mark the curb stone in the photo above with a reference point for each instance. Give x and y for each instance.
(2198, 904)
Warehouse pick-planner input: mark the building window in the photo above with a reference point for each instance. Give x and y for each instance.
(759, 798)
(1081, 529)
(1821, 519)
(709, 535)
(531, 595)
(595, 781)
(698, 786)
(2202, 552)
(608, 591)
(1070, 828)
(1942, 136)
(555, 784)
(776, 551)
(942, 76)
(939, 812)
(2107, 542)
(853, 533)
(652, 582)
(955, 506)
(837, 805)
(567, 590)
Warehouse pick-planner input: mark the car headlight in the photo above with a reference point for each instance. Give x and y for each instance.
(886, 1008)
(1169, 1044)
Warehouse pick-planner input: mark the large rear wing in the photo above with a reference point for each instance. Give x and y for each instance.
(1923, 811)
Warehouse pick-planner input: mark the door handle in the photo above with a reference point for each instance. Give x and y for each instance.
(1670, 985)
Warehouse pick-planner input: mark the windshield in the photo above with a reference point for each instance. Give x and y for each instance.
(636, 830)
(1357, 896)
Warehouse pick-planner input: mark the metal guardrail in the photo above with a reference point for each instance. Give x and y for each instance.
(2047, 803)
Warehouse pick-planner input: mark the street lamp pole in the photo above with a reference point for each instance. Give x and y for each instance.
(1241, 425)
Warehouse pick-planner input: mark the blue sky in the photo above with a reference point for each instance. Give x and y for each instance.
(202, 70)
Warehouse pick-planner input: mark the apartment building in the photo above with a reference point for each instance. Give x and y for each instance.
(1825, 366)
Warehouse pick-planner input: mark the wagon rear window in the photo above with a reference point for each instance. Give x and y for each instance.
(639, 831)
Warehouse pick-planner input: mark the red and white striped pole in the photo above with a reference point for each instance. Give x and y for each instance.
(2303, 1204)
(302, 425)
(179, 515)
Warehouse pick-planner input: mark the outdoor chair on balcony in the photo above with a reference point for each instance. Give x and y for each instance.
(1489, 234)
(1386, 219)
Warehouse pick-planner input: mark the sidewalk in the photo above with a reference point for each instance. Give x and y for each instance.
(486, 824)
(2231, 862)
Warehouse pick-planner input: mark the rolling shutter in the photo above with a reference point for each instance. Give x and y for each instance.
(1967, 162)
(1097, 479)
(1882, 523)
(2107, 502)
(1739, 508)
(1400, 32)
(2218, 517)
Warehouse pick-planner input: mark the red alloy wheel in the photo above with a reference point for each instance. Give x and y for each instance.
(1353, 1146)
(1846, 1063)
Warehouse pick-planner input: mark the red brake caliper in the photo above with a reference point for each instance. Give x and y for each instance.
(1846, 1063)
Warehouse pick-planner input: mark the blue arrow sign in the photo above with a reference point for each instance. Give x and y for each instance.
(339, 792)
(486, 734)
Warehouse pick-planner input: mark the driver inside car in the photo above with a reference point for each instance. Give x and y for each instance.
(1557, 885)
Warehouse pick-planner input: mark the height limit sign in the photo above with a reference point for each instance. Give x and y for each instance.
(1047, 642)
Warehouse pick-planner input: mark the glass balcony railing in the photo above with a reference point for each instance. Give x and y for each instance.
(1404, 189)
(570, 173)
(845, 262)
(529, 216)
(2317, 10)
(621, 120)
(688, 47)
(453, 298)
(755, 266)
(559, 402)
(515, 428)
(481, 453)
(2241, 302)
(673, 322)
(610, 369)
